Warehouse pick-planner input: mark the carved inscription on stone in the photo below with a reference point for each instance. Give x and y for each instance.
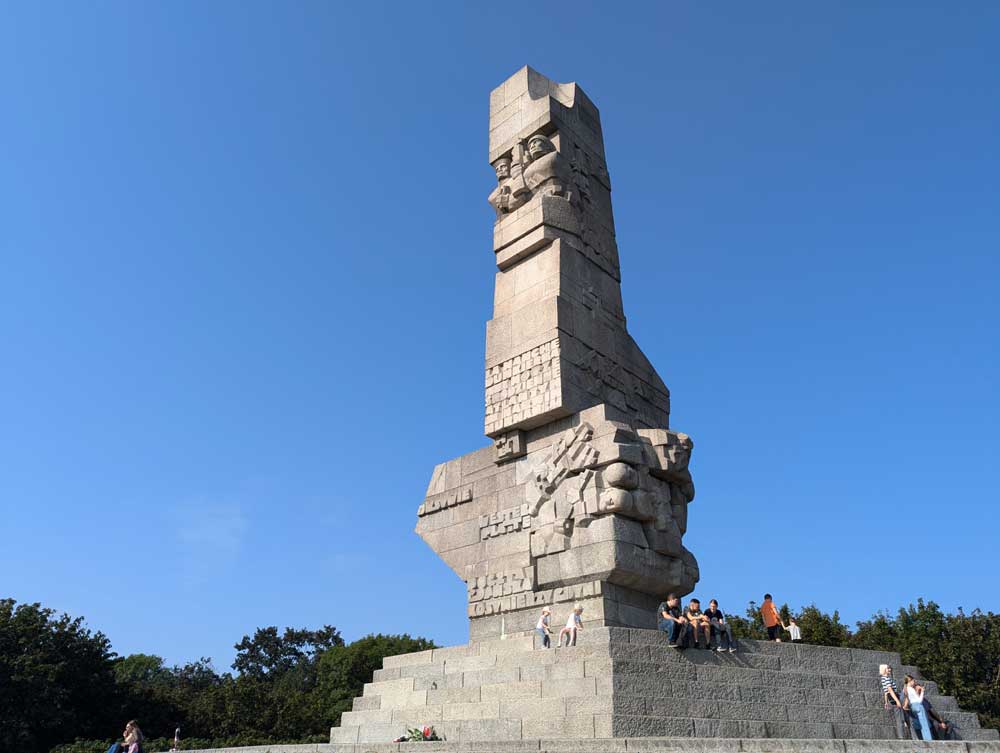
(523, 386)
(497, 585)
(444, 501)
(535, 599)
(505, 521)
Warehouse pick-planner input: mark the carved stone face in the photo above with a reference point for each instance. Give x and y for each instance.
(679, 451)
(539, 145)
(502, 166)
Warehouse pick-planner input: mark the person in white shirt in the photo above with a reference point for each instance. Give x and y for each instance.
(573, 624)
(794, 630)
(542, 628)
(915, 701)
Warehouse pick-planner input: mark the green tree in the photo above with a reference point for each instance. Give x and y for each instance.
(270, 653)
(57, 679)
(344, 670)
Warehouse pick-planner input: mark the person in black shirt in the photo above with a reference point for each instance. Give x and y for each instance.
(720, 627)
(672, 622)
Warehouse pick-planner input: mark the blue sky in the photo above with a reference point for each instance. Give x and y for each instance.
(246, 270)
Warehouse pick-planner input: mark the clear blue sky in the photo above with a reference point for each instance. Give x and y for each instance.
(246, 270)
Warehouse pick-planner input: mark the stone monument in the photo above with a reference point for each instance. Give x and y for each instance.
(582, 499)
(583, 495)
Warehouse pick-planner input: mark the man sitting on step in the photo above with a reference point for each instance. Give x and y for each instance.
(672, 622)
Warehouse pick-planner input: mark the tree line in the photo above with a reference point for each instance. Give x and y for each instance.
(64, 690)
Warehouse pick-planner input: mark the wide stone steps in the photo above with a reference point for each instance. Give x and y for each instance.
(627, 683)
(637, 745)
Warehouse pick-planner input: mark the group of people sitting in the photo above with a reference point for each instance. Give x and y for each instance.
(685, 628)
(693, 628)
(912, 711)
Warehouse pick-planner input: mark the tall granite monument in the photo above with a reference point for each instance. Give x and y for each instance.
(583, 495)
(582, 498)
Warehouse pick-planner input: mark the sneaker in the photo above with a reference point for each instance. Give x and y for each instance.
(720, 649)
(732, 649)
(672, 645)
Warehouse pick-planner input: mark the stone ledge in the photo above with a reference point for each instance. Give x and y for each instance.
(636, 745)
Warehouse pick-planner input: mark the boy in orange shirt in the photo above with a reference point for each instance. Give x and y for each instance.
(772, 620)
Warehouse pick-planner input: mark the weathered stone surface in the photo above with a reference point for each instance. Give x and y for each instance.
(576, 411)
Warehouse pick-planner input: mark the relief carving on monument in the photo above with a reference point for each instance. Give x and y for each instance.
(583, 493)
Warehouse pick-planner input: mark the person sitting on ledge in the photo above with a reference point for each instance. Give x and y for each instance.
(772, 620)
(672, 622)
(723, 629)
(699, 625)
(573, 624)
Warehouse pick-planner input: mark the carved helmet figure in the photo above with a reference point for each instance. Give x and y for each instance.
(502, 167)
(538, 145)
(548, 171)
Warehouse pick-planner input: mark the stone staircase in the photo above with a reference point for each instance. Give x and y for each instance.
(627, 683)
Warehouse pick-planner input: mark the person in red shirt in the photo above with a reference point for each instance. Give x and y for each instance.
(772, 620)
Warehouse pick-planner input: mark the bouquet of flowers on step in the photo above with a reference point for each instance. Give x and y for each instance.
(417, 734)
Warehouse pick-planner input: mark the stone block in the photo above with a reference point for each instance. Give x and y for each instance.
(598, 745)
(479, 710)
(583, 686)
(729, 728)
(363, 703)
(437, 683)
(800, 730)
(511, 690)
(344, 734)
(358, 718)
(532, 708)
(417, 716)
(682, 707)
(491, 676)
(680, 745)
(565, 726)
(755, 711)
(792, 746)
(442, 696)
(470, 664)
(488, 729)
(646, 726)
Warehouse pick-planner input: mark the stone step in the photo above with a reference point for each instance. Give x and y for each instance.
(641, 677)
(648, 709)
(636, 745)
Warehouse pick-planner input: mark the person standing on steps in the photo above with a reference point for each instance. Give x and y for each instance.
(794, 632)
(717, 620)
(542, 628)
(772, 620)
(915, 697)
(890, 699)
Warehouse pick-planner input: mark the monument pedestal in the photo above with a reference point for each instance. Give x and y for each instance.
(627, 683)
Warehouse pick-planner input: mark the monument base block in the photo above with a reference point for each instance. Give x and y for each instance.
(628, 683)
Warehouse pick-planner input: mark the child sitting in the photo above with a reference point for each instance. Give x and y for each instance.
(573, 624)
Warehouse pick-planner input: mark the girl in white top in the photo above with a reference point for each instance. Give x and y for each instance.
(915, 700)
(542, 628)
(794, 630)
(573, 623)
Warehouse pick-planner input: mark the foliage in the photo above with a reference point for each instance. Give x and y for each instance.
(344, 670)
(59, 681)
(55, 676)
